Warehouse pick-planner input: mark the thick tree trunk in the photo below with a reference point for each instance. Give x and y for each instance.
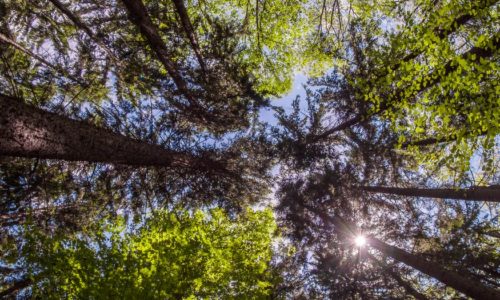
(140, 17)
(27, 131)
(188, 29)
(462, 284)
(472, 194)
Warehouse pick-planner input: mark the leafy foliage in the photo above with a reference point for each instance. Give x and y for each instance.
(172, 255)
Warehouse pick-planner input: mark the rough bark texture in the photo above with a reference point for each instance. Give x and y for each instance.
(27, 131)
(472, 194)
(462, 284)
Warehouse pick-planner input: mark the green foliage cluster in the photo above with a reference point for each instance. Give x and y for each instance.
(172, 255)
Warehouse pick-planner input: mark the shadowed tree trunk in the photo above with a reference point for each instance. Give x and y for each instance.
(471, 194)
(27, 131)
(471, 288)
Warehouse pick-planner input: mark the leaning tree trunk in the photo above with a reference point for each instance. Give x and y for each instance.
(469, 287)
(27, 131)
(471, 194)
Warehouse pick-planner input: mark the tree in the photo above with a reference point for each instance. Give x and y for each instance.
(31, 132)
(475, 193)
(174, 255)
(324, 219)
(147, 115)
(396, 78)
(455, 280)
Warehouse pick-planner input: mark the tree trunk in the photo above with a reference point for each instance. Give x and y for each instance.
(462, 284)
(472, 194)
(27, 131)
(188, 29)
(140, 17)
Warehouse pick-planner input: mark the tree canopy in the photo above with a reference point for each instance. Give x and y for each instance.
(172, 255)
(137, 160)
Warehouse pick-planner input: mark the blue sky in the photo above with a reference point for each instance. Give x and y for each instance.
(267, 114)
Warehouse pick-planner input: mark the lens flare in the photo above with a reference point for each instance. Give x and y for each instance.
(360, 241)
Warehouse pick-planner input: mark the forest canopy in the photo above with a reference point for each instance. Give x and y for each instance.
(167, 150)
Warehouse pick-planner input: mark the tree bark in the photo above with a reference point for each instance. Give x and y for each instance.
(471, 288)
(27, 131)
(491, 194)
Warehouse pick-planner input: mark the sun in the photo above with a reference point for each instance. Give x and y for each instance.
(360, 241)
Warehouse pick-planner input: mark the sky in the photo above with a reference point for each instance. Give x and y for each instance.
(267, 114)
